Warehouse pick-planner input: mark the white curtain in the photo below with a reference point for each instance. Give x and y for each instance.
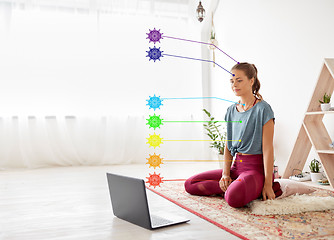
(33, 142)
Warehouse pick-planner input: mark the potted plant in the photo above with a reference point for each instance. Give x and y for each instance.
(315, 168)
(218, 138)
(325, 103)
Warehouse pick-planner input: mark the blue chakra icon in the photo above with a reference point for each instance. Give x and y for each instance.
(154, 102)
(154, 53)
(154, 35)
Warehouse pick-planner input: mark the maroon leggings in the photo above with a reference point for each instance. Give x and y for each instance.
(247, 173)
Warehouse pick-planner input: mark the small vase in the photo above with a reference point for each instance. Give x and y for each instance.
(221, 160)
(276, 175)
(325, 106)
(316, 176)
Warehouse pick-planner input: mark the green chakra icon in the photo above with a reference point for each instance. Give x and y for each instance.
(154, 121)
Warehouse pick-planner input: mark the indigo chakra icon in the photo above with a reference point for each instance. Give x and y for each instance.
(154, 140)
(154, 179)
(154, 102)
(154, 121)
(154, 35)
(154, 160)
(154, 54)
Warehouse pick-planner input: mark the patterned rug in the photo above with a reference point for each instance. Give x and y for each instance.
(245, 225)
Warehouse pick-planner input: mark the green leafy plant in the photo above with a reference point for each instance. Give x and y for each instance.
(213, 131)
(326, 99)
(315, 166)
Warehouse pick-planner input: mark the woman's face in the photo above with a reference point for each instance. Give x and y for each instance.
(240, 83)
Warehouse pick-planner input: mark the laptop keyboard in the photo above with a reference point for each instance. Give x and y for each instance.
(159, 221)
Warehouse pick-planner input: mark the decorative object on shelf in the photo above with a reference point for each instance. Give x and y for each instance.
(301, 177)
(200, 12)
(213, 41)
(315, 168)
(331, 145)
(218, 138)
(325, 103)
(323, 181)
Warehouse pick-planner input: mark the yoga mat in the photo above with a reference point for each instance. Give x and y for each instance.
(245, 225)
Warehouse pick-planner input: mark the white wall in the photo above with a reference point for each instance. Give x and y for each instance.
(287, 41)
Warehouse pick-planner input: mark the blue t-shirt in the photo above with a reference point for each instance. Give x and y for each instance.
(247, 136)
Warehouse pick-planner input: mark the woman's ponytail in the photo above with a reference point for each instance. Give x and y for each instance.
(256, 85)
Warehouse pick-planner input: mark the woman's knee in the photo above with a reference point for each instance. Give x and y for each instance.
(188, 186)
(235, 197)
(247, 189)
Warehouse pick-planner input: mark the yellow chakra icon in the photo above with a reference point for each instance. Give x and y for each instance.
(154, 140)
(154, 160)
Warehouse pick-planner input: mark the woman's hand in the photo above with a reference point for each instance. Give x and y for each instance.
(224, 182)
(268, 192)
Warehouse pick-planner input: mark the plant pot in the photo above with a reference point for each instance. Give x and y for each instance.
(221, 160)
(325, 106)
(316, 176)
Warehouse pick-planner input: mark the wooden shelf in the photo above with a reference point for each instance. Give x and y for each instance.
(319, 113)
(313, 184)
(313, 131)
(326, 151)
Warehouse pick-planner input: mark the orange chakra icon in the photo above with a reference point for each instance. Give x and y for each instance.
(154, 160)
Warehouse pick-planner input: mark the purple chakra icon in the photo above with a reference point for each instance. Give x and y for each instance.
(154, 54)
(154, 35)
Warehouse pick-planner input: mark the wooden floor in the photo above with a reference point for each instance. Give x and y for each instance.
(74, 203)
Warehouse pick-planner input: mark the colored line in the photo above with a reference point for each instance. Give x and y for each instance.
(199, 140)
(175, 180)
(190, 160)
(199, 180)
(203, 98)
(201, 121)
(203, 43)
(204, 60)
(201, 160)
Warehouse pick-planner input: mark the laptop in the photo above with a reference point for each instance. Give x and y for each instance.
(129, 202)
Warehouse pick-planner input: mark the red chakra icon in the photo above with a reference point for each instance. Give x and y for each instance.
(154, 179)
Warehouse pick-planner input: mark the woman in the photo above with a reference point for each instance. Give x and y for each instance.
(250, 131)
